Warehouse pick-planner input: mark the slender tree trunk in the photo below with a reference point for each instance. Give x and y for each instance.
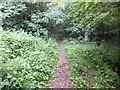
(86, 36)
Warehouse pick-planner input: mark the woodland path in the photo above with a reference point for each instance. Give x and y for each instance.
(60, 78)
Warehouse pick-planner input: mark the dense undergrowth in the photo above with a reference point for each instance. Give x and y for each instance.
(27, 61)
(92, 65)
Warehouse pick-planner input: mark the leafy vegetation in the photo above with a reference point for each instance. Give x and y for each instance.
(90, 65)
(28, 50)
(38, 18)
(93, 20)
(27, 62)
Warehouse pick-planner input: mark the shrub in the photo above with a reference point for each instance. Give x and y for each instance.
(91, 65)
(27, 61)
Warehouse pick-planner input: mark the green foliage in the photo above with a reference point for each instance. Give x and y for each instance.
(39, 19)
(44, 18)
(22, 16)
(27, 62)
(91, 65)
(86, 16)
(11, 14)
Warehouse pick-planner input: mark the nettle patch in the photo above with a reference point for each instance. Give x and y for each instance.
(27, 62)
(90, 65)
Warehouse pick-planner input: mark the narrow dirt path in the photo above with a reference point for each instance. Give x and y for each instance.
(60, 77)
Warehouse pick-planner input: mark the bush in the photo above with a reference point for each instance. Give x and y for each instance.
(27, 61)
(91, 65)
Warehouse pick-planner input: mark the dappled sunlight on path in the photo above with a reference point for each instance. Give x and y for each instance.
(60, 78)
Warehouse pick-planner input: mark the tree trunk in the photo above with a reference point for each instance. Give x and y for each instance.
(86, 36)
